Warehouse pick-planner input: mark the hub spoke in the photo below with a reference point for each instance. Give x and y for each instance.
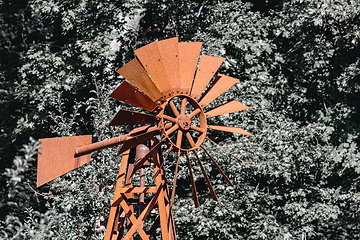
(183, 106)
(173, 108)
(171, 119)
(179, 139)
(200, 130)
(194, 113)
(172, 129)
(190, 139)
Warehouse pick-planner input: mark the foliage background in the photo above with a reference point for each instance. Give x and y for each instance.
(298, 64)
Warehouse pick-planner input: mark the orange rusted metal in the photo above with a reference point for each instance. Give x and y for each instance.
(143, 159)
(127, 93)
(134, 72)
(212, 192)
(230, 129)
(166, 80)
(188, 59)
(218, 167)
(229, 107)
(169, 51)
(141, 151)
(57, 157)
(135, 136)
(123, 223)
(207, 68)
(155, 57)
(184, 122)
(220, 85)
(83, 150)
(126, 117)
(193, 186)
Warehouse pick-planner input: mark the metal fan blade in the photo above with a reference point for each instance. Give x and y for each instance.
(132, 142)
(193, 186)
(139, 130)
(218, 167)
(136, 75)
(212, 192)
(160, 60)
(220, 85)
(169, 50)
(207, 68)
(232, 106)
(188, 58)
(127, 93)
(230, 129)
(141, 161)
(57, 157)
(126, 117)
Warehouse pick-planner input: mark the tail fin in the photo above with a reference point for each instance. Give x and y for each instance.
(57, 157)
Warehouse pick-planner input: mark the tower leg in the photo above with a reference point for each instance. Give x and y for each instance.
(130, 206)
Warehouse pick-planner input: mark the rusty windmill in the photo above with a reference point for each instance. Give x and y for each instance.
(167, 79)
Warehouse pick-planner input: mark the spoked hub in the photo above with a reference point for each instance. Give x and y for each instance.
(189, 122)
(184, 122)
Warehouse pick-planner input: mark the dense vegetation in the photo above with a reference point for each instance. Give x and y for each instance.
(299, 68)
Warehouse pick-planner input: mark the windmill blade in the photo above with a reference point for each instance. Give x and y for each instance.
(140, 130)
(57, 157)
(188, 58)
(212, 192)
(141, 161)
(160, 60)
(232, 106)
(126, 117)
(207, 68)
(169, 50)
(136, 75)
(230, 129)
(220, 85)
(133, 141)
(193, 186)
(127, 93)
(218, 167)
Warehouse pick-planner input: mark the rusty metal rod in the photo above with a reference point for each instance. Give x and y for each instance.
(83, 150)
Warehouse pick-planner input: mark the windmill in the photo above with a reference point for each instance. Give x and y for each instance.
(171, 85)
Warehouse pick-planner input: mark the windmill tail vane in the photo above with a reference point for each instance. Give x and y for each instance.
(173, 84)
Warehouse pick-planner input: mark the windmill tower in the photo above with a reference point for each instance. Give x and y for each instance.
(173, 84)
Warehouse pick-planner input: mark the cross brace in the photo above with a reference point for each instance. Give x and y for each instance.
(122, 221)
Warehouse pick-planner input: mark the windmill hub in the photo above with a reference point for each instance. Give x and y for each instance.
(188, 122)
(184, 122)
